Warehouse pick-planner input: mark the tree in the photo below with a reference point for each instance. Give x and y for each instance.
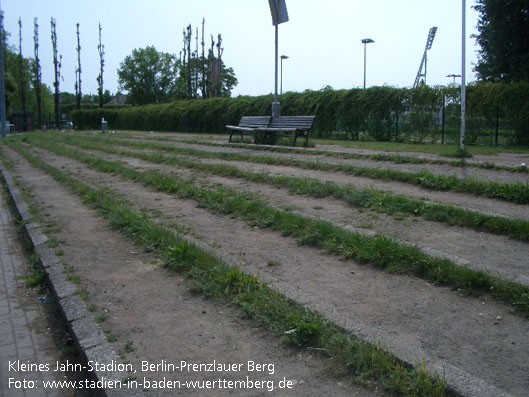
(78, 90)
(149, 76)
(503, 28)
(57, 61)
(37, 73)
(101, 50)
(22, 77)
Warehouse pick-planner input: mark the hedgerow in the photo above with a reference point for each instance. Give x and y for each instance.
(496, 113)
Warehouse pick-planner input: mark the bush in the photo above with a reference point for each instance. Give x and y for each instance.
(378, 113)
(521, 133)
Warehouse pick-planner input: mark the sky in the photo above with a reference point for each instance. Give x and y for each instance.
(322, 39)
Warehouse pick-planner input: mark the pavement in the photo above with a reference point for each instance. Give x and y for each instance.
(19, 340)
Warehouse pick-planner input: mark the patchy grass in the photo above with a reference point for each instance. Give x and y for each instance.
(215, 279)
(384, 202)
(378, 251)
(442, 150)
(394, 158)
(513, 192)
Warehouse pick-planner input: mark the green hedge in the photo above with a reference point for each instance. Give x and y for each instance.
(380, 113)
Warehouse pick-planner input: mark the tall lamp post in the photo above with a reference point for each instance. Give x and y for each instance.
(2, 90)
(366, 42)
(463, 80)
(282, 57)
(278, 9)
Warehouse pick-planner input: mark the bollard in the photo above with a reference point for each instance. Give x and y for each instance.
(104, 125)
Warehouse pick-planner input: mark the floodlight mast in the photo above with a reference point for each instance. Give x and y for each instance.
(424, 61)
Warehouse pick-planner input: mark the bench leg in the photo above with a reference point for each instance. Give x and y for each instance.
(304, 135)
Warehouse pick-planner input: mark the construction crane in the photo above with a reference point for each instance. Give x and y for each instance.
(424, 63)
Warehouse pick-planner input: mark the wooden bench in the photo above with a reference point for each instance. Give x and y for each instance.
(249, 124)
(297, 125)
(273, 127)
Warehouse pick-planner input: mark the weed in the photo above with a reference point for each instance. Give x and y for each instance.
(111, 338)
(129, 347)
(101, 318)
(54, 242)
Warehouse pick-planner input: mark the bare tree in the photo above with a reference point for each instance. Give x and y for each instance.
(37, 71)
(196, 63)
(78, 90)
(57, 61)
(22, 77)
(189, 63)
(220, 51)
(203, 63)
(101, 50)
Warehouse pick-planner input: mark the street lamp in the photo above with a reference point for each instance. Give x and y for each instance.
(2, 91)
(463, 79)
(366, 42)
(454, 76)
(278, 9)
(282, 57)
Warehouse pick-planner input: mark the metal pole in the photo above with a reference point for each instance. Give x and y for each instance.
(281, 91)
(463, 81)
(365, 46)
(2, 88)
(425, 65)
(275, 104)
(276, 65)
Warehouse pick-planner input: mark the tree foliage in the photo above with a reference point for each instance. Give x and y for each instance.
(503, 28)
(149, 76)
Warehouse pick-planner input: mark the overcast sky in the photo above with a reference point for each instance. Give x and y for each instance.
(322, 38)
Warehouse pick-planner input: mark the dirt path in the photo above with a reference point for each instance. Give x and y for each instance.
(436, 169)
(474, 203)
(506, 159)
(494, 254)
(154, 316)
(502, 159)
(479, 204)
(424, 323)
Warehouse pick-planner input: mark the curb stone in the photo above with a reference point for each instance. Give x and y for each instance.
(87, 334)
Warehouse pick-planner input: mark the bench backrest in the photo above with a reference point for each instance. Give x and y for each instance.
(255, 121)
(299, 122)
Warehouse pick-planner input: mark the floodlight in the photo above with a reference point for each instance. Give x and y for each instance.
(278, 8)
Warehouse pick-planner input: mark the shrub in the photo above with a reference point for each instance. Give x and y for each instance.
(378, 113)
